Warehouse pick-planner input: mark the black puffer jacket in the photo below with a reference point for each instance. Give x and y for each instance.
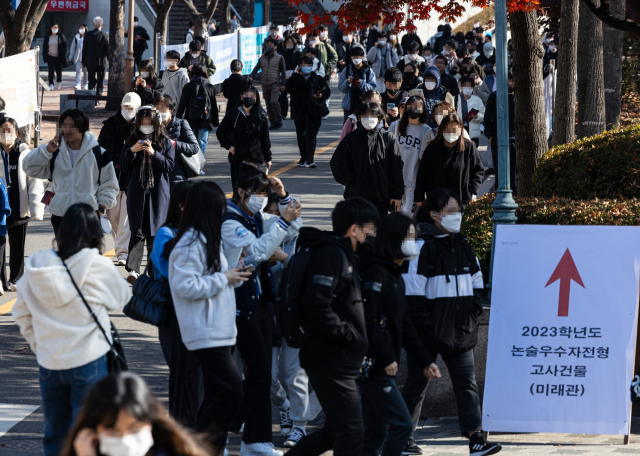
(291, 57)
(385, 301)
(333, 302)
(149, 92)
(368, 163)
(302, 91)
(251, 145)
(189, 92)
(180, 131)
(115, 131)
(445, 167)
(447, 317)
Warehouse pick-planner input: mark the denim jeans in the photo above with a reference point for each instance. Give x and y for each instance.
(385, 415)
(295, 381)
(203, 138)
(63, 393)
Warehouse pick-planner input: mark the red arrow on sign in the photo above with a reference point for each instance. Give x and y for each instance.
(566, 271)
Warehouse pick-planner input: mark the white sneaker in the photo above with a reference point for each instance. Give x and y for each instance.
(50, 86)
(131, 278)
(121, 262)
(259, 449)
(58, 85)
(86, 87)
(296, 435)
(77, 87)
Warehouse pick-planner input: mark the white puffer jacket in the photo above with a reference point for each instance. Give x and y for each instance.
(87, 182)
(474, 102)
(31, 189)
(51, 314)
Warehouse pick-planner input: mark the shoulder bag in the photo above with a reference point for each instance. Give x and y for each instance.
(148, 303)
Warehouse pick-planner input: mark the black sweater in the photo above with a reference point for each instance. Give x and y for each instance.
(302, 90)
(232, 88)
(251, 144)
(385, 300)
(115, 131)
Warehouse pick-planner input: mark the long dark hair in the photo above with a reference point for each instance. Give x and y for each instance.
(151, 69)
(129, 392)
(437, 199)
(158, 137)
(204, 210)
(392, 230)
(256, 113)
(79, 229)
(178, 197)
(404, 120)
(451, 118)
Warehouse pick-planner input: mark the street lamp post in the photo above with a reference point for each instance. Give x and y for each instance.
(129, 63)
(504, 206)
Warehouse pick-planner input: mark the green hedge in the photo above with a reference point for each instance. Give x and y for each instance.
(601, 166)
(477, 224)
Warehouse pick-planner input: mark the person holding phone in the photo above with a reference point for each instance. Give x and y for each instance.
(470, 109)
(147, 85)
(355, 80)
(393, 94)
(259, 235)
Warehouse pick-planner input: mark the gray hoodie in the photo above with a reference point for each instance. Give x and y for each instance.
(174, 82)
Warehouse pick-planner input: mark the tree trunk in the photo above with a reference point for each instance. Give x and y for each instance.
(591, 116)
(564, 113)
(530, 123)
(225, 20)
(20, 26)
(612, 59)
(162, 10)
(249, 13)
(117, 84)
(201, 20)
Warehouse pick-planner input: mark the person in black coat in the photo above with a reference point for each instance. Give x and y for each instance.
(389, 329)
(244, 132)
(201, 123)
(140, 38)
(54, 51)
(233, 86)
(287, 49)
(148, 156)
(308, 92)
(450, 161)
(368, 162)
(95, 52)
(181, 135)
(410, 38)
(148, 85)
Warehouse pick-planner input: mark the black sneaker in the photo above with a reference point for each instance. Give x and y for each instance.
(411, 447)
(310, 164)
(276, 125)
(490, 171)
(273, 126)
(479, 446)
(302, 162)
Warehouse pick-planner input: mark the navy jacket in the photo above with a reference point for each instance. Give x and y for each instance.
(180, 131)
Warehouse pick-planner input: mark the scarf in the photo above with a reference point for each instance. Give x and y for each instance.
(146, 173)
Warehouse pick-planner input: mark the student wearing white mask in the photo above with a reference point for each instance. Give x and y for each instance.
(107, 426)
(140, 38)
(75, 58)
(147, 85)
(381, 56)
(148, 158)
(174, 78)
(488, 55)
(413, 56)
(470, 109)
(368, 162)
(25, 195)
(355, 80)
(54, 51)
(115, 130)
(450, 161)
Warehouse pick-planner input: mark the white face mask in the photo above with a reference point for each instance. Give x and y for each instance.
(311, 42)
(356, 61)
(135, 24)
(430, 85)
(257, 203)
(128, 113)
(7, 138)
(446, 51)
(467, 91)
(552, 48)
(382, 41)
(164, 116)
(169, 63)
(146, 129)
(137, 444)
(346, 38)
(195, 55)
(54, 31)
(438, 118)
(452, 222)
(475, 54)
(413, 56)
(369, 122)
(451, 137)
(81, 31)
(488, 54)
(324, 34)
(410, 249)
(144, 74)
(392, 37)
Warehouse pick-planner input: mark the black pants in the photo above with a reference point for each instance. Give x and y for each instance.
(512, 161)
(343, 428)
(463, 378)
(284, 104)
(255, 343)
(137, 58)
(54, 64)
(185, 374)
(17, 236)
(383, 208)
(222, 395)
(96, 79)
(307, 132)
(137, 240)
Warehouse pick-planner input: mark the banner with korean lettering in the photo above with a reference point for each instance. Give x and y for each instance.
(562, 329)
(222, 49)
(19, 87)
(68, 5)
(251, 40)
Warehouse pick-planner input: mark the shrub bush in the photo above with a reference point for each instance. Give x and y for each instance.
(602, 166)
(477, 224)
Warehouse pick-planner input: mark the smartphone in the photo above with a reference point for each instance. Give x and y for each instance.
(470, 115)
(296, 200)
(252, 262)
(391, 105)
(420, 92)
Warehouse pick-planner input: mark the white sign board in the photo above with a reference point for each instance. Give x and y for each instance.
(181, 48)
(19, 87)
(562, 329)
(222, 49)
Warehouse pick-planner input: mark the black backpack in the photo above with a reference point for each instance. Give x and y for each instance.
(293, 324)
(97, 152)
(199, 104)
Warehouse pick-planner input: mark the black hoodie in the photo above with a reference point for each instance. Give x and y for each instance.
(385, 300)
(333, 302)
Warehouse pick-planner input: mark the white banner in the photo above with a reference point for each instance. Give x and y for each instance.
(19, 86)
(549, 89)
(222, 49)
(562, 330)
(181, 48)
(251, 40)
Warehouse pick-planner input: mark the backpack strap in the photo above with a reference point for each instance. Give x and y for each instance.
(52, 162)
(101, 161)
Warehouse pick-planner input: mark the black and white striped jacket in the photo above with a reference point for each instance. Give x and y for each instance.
(444, 287)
